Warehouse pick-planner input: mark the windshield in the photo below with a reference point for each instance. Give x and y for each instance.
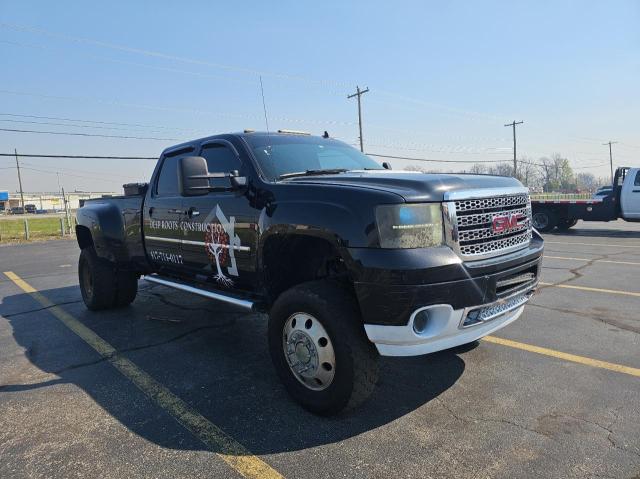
(279, 154)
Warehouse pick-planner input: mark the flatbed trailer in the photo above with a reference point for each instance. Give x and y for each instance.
(622, 203)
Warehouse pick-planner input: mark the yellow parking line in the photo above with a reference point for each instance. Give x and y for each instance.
(225, 447)
(596, 260)
(596, 290)
(596, 363)
(595, 244)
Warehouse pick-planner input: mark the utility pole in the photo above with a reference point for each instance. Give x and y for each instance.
(610, 157)
(66, 209)
(60, 188)
(19, 180)
(515, 163)
(358, 94)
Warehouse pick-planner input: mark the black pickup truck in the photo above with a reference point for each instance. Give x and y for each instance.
(349, 259)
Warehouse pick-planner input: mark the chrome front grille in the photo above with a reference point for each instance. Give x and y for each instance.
(470, 222)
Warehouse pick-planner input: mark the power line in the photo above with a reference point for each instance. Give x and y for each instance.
(87, 157)
(69, 174)
(76, 170)
(70, 125)
(93, 121)
(445, 149)
(165, 56)
(125, 62)
(89, 134)
(470, 161)
(434, 161)
(156, 54)
(174, 109)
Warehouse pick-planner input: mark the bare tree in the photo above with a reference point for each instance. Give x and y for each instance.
(586, 182)
(528, 172)
(478, 169)
(557, 174)
(501, 169)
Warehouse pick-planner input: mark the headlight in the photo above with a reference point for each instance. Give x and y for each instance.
(410, 226)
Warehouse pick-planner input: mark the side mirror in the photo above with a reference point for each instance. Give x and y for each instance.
(193, 176)
(386, 166)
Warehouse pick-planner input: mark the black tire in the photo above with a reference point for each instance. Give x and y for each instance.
(564, 225)
(126, 288)
(544, 220)
(356, 359)
(101, 286)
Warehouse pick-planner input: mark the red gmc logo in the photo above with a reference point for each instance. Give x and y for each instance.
(500, 224)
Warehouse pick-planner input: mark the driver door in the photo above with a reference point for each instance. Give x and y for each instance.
(163, 217)
(220, 238)
(630, 194)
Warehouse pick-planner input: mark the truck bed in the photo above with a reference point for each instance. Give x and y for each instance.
(116, 223)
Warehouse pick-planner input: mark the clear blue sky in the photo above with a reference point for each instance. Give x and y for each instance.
(444, 78)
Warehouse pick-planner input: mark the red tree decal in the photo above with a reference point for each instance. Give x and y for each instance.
(217, 246)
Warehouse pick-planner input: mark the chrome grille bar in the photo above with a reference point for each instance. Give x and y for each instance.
(469, 218)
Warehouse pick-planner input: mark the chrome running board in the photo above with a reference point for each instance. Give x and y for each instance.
(242, 303)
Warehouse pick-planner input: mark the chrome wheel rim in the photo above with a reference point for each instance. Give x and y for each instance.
(309, 351)
(540, 220)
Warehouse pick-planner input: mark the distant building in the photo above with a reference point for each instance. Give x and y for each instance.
(4, 198)
(51, 202)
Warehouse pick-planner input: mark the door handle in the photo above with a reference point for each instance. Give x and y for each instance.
(151, 211)
(192, 212)
(175, 211)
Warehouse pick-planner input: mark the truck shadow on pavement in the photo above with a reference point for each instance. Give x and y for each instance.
(213, 358)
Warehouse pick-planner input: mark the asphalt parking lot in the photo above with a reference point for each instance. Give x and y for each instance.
(187, 388)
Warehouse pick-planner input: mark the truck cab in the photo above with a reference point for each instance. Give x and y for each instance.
(627, 186)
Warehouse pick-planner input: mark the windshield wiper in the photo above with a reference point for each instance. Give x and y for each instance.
(328, 171)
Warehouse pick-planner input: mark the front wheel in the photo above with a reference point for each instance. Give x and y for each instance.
(319, 348)
(544, 220)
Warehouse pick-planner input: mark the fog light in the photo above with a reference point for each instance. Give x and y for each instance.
(420, 322)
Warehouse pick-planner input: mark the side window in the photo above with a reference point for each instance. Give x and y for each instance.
(168, 179)
(220, 159)
(637, 180)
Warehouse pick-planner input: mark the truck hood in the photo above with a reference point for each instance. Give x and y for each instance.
(412, 186)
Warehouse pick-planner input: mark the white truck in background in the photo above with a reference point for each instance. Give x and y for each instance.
(622, 202)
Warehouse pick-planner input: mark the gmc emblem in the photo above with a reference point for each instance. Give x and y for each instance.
(500, 224)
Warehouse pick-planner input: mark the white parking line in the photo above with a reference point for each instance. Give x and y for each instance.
(588, 288)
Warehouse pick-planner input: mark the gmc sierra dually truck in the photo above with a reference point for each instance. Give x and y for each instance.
(350, 259)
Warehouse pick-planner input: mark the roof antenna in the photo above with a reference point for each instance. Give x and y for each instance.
(264, 106)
